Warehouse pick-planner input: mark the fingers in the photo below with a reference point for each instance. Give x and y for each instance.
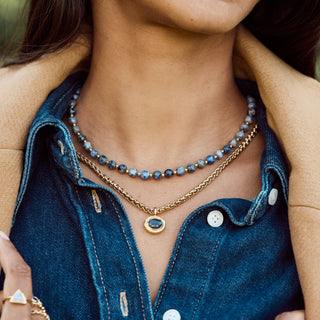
(294, 315)
(17, 276)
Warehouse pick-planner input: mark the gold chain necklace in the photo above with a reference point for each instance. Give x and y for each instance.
(156, 224)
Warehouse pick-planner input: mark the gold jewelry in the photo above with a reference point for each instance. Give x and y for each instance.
(36, 303)
(17, 298)
(40, 313)
(156, 224)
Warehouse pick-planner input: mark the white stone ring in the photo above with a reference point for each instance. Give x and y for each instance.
(19, 298)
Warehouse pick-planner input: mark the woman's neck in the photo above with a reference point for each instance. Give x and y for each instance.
(153, 88)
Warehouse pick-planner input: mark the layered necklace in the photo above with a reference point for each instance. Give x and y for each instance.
(155, 224)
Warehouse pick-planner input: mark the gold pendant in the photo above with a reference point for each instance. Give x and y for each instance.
(154, 224)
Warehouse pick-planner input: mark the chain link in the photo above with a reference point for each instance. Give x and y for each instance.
(157, 210)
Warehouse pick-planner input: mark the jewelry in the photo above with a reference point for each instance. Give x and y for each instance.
(155, 224)
(168, 173)
(36, 303)
(40, 313)
(17, 298)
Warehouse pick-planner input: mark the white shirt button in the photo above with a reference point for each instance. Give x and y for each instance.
(171, 314)
(273, 196)
(215, 218)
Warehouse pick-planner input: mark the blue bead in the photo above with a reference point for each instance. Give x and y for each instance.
(240, 135)
(112, 164)
(78, 91)
(226, 149)
(122, 168)
(72, 111)
(180, 171)
(168, 173)
(87, 145)
(252, 105)
(201, 163)
(211, 159)
(73, 103)
(252, 112)
(94, 153)
(145, 175)
(244, 127)
(102, 159)
(191, 167)
(157, 175)
(219, 154)
(133, 172)
(81, 137)
(250, 99)
(234, 143)
(75, 97)
(76, 129)
(73, 120)
(248, 119)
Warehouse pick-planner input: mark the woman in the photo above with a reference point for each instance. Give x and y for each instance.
(161, 82)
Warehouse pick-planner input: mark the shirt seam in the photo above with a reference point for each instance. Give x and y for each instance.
(132, 255)
(174, 260)
(96, 255)
(208, 271)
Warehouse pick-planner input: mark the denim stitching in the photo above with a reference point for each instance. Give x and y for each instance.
(259, 208)
(256, 211)
(72, 164)
(207, 275)
(133, 258)
(96, 255)
(174, 261)
(278, 171)
(26, 169)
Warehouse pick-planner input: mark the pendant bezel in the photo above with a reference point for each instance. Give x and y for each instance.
(153, 230)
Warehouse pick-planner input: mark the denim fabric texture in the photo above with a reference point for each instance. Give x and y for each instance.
(77, 238)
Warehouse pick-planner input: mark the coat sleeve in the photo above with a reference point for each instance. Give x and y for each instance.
(293, 109)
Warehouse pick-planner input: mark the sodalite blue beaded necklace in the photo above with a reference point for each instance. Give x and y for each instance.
(168, 173)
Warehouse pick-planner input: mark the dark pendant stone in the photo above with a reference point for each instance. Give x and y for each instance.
(155, 223)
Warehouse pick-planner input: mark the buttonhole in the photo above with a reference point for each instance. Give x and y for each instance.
(60, 144)
(96, 201)
(124, 304)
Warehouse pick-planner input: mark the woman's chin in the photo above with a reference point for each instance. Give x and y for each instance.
(199, 16)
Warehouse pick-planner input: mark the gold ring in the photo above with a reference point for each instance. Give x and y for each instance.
(40, 313)
(36, 303)
(17, 298)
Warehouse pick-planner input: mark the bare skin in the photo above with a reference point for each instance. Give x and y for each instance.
(149, 83)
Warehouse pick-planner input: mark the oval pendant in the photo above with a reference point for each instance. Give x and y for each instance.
(154, 224)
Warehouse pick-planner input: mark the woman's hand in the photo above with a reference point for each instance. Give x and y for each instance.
(17, 276)
(293, 315)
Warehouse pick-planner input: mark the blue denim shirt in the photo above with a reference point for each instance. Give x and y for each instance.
(77, 238)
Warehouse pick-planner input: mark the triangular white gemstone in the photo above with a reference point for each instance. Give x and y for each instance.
(18, 298)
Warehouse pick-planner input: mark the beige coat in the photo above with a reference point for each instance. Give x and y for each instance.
(293, 109)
